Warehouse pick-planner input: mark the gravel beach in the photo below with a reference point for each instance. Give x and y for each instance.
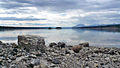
(31, 52)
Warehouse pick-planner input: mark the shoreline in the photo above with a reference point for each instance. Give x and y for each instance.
(31, 52)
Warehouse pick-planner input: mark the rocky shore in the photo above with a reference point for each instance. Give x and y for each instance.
(31, 52)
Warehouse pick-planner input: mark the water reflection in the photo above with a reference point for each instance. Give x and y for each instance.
(70, 36)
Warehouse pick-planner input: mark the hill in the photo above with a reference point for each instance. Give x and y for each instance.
(111, 27)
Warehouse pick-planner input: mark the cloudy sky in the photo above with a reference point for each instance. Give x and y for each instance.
(59, 12)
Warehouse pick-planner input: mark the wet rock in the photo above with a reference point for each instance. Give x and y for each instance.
(31, 43)
(61, 44)
(86, 44)
(76, 48)
(56, 61)
(52, 44)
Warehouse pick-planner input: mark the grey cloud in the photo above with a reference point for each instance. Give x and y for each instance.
(98, 19)
(66, 6)
(20, 19)
(36, 24)
(62, 5)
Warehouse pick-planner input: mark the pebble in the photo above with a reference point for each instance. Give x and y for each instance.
(43, 66)
(32, 56)
(56, 61)
(52, 65)
(52, 44)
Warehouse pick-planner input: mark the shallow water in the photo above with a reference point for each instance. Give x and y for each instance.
(69, 36)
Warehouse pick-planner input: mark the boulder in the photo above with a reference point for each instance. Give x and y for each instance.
(76, 48)
(86, 44)
(31, 43)
(0, 42)
(61, 44)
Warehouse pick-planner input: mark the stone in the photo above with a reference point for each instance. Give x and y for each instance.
(19, 55)
(76, 48)
(52, 44)
(56, 67)
(19, 58)
(52, 65)
(1, 60)
(15, 50)
(61, 44)
(13, 53)
(67, 52)
(86, 44)
(32, 56)
(111, 52)
(37, 66)
(37, 53)
(14, 45)
(31, 43)
(9, 60)
(30, 66)
(43, 65)
(35, 61)
(54, 54)
(56, 61)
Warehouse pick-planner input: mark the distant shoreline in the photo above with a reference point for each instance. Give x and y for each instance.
(114, 27)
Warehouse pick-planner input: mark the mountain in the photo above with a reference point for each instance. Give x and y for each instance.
(109, 27)
(80, 25)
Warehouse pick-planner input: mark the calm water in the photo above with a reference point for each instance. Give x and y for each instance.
(69, 36)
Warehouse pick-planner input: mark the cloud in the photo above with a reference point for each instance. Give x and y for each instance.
(20, 19)
(61, 12)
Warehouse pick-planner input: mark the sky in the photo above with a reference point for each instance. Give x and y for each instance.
(65, 13)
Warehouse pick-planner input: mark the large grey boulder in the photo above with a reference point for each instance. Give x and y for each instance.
(31, 43)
